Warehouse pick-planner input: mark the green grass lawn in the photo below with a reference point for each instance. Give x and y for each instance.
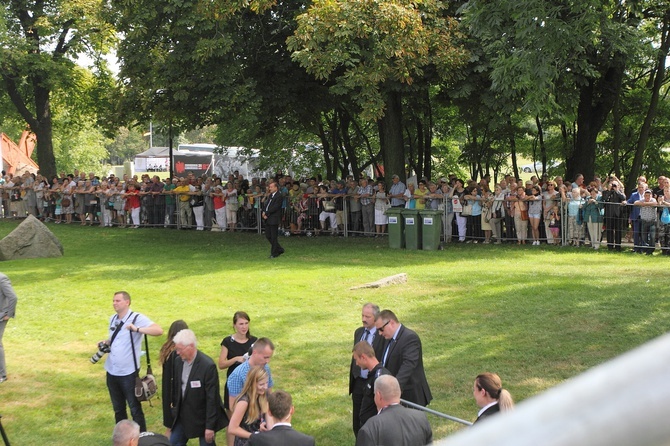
(534, 315)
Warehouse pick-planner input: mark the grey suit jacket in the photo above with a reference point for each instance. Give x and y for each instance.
(7, 297)
(281, 436)
(396, 426)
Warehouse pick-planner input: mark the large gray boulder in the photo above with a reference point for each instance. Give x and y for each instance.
(30, 240)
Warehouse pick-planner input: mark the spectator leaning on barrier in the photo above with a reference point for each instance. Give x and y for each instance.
(614, 200)
(592, 216)
(355, 210)
(634, 217)
(365, 191)
(396, 192)
(170, 201)
(648, 215)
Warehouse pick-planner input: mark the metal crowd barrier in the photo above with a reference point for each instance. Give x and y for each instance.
(302, 217)
(434, 412)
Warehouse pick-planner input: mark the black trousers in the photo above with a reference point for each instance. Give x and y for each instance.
(272, 234)
(613, 231)
(357, 400)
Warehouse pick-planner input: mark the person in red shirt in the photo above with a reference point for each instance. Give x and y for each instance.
(219, 204)
(133, 204)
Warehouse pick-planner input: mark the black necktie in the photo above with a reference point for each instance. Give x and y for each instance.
(366, 333)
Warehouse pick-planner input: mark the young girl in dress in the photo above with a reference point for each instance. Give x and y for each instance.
(250, 406)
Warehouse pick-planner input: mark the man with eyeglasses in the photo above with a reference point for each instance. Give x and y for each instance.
(403, 357)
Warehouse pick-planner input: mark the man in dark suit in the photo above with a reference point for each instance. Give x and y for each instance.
(394, 425)
(280, 411)
(358, 377)
(194, 397)
(272, 216)
(403, 357)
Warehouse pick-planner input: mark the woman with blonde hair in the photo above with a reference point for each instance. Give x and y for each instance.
(250, 406)
(490, 395)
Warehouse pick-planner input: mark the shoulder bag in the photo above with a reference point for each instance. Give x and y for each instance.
(146, 387)
(523, 209)
(467, 209)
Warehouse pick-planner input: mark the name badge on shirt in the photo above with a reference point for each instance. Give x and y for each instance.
(195, 384)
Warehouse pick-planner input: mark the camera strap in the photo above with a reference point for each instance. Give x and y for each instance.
(118, 329)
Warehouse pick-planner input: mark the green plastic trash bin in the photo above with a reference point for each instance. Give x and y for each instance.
(431, 229)
(410, 218)
(396, 228)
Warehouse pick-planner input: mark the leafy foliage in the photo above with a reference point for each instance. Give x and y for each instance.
(369, 46)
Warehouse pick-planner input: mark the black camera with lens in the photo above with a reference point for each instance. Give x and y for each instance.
(102, 349)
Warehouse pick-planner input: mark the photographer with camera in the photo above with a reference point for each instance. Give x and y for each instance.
(126, 329)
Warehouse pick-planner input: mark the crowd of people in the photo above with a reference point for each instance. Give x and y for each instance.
(386, 369)
(534, 212)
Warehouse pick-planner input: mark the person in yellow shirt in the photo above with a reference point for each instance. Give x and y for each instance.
(182, 191)
(419, 194)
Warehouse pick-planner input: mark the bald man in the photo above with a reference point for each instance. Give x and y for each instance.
(394, 425)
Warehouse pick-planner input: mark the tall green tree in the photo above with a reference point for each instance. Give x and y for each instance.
(375, 51)
(556, 57)
(38, 41)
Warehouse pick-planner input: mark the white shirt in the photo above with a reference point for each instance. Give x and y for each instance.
(479, 414)
(120, 360)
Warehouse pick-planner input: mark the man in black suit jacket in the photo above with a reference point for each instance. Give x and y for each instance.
(403, 357)
(394, 425)
(194, 397)
(358, 378)
(272, 216)
(280, 411)
(366, 360)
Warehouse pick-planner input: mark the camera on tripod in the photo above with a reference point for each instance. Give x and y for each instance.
(102, 349)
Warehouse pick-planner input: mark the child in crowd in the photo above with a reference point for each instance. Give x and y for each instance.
(554, 217)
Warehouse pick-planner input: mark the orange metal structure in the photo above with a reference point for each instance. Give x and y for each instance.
(17, 158)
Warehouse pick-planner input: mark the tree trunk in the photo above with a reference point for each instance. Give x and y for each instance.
(390, 138)
(616, 138)
(350, 159)
(512, 147)
(44, 132)
(596, 100)
(543, 148)
(40, 123)
(427, 136)
(643, 139)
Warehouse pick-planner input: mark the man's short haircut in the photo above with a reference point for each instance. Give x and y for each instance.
(374, 308)
(186, 337)
(280, 403)
(123, 294)
(388, 387)
(124, 431)
(388, 315)
(363, 348)
(261, 343)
